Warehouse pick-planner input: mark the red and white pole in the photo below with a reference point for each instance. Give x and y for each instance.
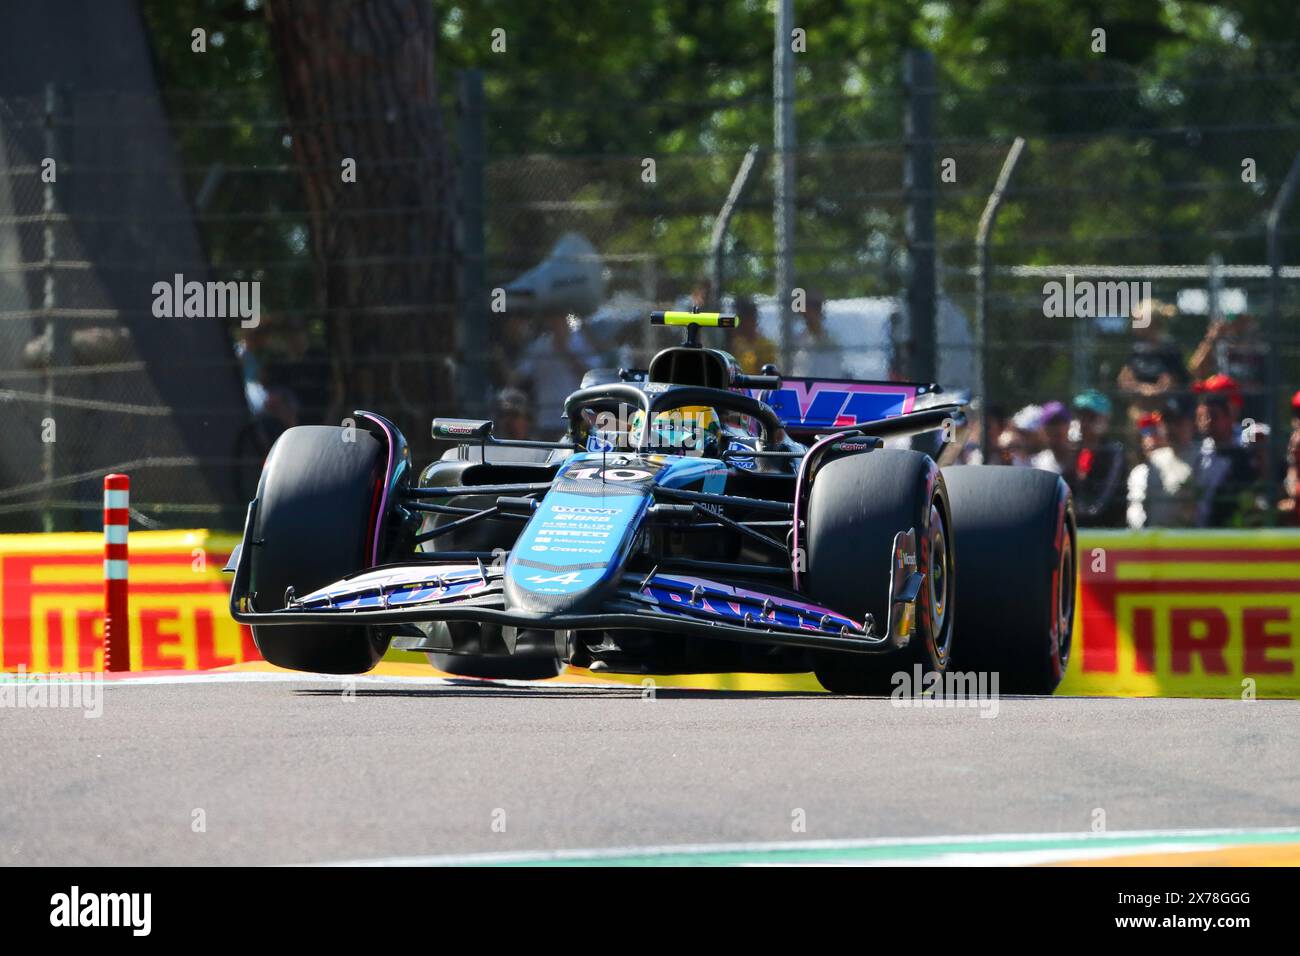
(117, 624)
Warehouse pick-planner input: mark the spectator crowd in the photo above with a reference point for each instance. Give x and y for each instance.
(1179, 441)
(1198, 449)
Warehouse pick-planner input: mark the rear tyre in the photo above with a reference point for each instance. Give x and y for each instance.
(1016, 536)
(314, 524)
(856, 507)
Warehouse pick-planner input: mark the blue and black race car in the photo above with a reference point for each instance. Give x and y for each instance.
(693, 518)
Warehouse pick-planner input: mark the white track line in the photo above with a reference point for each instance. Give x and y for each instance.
(1085, 845)
(270, 677)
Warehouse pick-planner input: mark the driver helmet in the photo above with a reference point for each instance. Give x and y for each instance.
(689, 430)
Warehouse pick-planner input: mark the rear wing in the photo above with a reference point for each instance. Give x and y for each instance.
(810, 405)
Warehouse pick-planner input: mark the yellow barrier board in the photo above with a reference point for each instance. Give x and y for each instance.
(1167, 613)
(1160, 613)
(52, 602)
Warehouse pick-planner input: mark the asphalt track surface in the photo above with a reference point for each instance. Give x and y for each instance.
(292, 771)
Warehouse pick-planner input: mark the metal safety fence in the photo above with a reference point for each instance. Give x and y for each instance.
(562, 248)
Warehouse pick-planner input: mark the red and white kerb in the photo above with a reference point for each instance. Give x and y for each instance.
(117, 519)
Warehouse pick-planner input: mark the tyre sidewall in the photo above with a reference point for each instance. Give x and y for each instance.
(856, 507)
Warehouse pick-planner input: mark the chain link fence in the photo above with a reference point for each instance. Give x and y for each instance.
(1131, 189)
(90, 381)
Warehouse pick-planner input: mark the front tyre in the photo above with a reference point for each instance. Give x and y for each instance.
(856, 507)
(316, 503)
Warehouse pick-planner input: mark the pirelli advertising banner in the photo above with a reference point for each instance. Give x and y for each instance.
(52, 602)
(1161, 613)
(1187, 614)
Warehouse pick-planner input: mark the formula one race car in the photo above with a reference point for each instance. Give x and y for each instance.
(692, 518)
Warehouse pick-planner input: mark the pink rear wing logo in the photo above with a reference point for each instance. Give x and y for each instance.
(828, 403)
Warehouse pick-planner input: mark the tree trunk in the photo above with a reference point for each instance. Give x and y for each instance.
(358, 81)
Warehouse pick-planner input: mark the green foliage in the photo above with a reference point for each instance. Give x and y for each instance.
(1134, 153)
(229, 124)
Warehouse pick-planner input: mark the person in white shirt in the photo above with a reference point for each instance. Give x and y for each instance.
(1161, 489)
(1056, 457)
(553, 365)
(818, 354)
